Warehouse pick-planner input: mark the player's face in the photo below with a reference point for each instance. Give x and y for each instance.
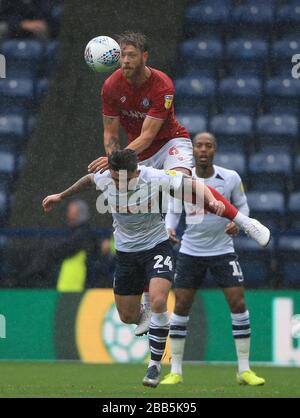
(132, 61)
(204, 151)
(125, 180)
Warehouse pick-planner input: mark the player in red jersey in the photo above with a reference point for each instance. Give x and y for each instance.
(140, 99)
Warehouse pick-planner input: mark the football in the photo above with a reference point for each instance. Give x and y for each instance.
(102, 54)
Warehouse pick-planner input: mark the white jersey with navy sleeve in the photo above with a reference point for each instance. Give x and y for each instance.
(208, 238)
(138, 231)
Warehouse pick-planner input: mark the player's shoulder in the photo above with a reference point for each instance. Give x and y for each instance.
(114, 80)
(227, 173)
(147, 173)
(161, 80)
(101, 178)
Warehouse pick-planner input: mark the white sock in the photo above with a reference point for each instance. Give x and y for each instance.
(242, 220)
(178, 332)
(242, 346)
(146, 299)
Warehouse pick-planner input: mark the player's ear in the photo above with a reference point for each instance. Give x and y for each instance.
(145, 56)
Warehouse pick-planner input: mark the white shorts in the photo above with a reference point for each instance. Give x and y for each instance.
(177, 152)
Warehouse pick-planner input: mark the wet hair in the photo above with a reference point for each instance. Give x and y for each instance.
(123, 160)
(208, 135)
(137, 39)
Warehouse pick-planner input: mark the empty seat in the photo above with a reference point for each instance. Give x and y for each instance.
(276, 130)
(282, 95)
(246, 57)
(288, 256)
(24, 55)
(232, 161)
(193, 123)
(201, 55)
(3, 203)
(253, 18)
(42, 88)
(232, 130)
(282, 52)
(15, 94)
(294, 210)
(7, 163)
(297, 171)
(288, 18)
(240, 95)
(208, 16)
(12, 128)
(194, 94)
(268, 207)
(51, 59)
(270, 171)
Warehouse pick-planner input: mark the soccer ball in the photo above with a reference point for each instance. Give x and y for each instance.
(120, 340)
(102, 54)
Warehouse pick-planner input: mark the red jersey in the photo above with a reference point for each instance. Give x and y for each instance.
(132, 104)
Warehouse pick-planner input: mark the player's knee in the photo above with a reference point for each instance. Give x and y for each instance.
(158, 303)
(237, 305)
(182, 307)
(127, 318)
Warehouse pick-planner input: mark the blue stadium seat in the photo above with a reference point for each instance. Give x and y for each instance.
(253, 18)
(51, 60)
(288, 256)
(232, 130)
(7, 163)
(246, 57)
(240, 95)
(42, 88)
(288, 19)
(194, 94)
(12, 129)
(297, 171)
(193, 123)
(3, 204)
(15, 94)
(282, 95)
(270, 171)
(207, 16)
(281, 55)
(276, 130)
(23, 55)
(268, 207)
(233, 161)
(202, 56)
(293, 207)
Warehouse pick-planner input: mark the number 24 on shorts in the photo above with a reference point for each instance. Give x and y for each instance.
(160, 263)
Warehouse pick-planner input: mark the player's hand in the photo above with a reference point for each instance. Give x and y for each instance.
(217, 207)
(50, 201)
(232, 229)
(172, 236)
(101, 164)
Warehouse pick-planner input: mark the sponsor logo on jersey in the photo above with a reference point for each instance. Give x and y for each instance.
(146, 102)
(171, 172)
(168, 101)
(133, 114)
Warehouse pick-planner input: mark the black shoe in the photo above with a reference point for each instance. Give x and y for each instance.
(152, 377)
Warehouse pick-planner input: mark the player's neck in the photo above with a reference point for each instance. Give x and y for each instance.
(205, 172)
(140, 78)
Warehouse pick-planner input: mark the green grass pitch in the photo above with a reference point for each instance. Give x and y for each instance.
(124, 380)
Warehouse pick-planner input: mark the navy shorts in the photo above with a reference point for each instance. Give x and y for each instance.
(224, 269)
(135, 270)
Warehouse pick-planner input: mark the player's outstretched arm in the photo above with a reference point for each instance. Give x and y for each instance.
(82, 184)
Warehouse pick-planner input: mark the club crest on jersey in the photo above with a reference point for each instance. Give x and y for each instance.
(146, 102)
(168, 101)
(123, 99)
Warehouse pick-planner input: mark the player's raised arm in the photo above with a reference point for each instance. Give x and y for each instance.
(82, 184)
(150, 129)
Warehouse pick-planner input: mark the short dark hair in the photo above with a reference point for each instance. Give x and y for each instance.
(137, 39)
(125, 159)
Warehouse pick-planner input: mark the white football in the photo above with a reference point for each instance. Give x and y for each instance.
(102, 54)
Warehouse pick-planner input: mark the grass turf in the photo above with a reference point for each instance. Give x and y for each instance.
(122, 380)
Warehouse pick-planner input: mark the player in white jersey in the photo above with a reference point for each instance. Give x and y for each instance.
(208, 245)
(144, 254)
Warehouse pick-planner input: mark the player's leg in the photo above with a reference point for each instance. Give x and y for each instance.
(188, 274)
(229, 276)
(159, 266)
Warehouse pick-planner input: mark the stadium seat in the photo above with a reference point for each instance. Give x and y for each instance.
(23, 55)
(41, 88)
(254, 18)
(233, 161)
(7, 163)
(232, 131)
(194, 94)
(246, 57)
(288, 19)
(12, 129)
(202, 56)
(276, 130)
(51, 60)
(270, 171)
(297, 171)
(268, 207)
(3, 204)
(293, 208)
(193, 123)
(282, 96)
(16, 94)
(281, 55)
(240, 95)
(207, 16)
(288, 256)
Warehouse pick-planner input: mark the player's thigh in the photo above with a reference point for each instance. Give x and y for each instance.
(179, 154)
(226, 271)
(129, 308)
(184, 299)
(159, 289)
